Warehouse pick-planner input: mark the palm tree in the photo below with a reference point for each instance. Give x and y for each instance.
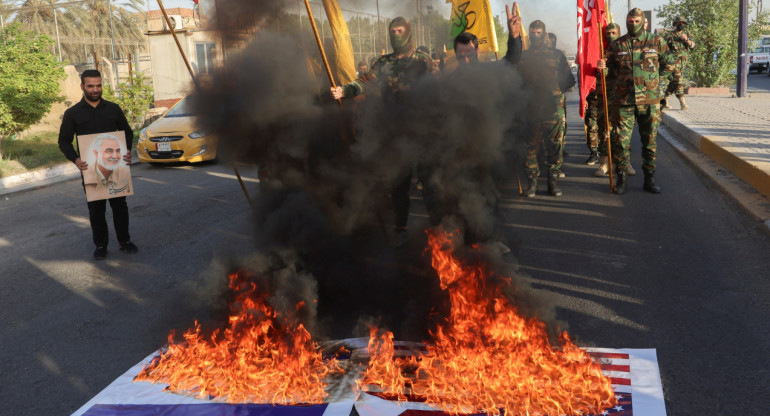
(86, 26)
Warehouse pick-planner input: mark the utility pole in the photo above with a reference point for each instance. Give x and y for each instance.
(743, 40)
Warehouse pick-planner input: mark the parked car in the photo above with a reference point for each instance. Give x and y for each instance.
(176, 137)
(759, 58)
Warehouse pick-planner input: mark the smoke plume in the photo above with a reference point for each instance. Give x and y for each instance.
(323, 216)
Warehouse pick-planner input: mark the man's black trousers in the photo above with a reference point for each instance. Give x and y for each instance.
(96, 213)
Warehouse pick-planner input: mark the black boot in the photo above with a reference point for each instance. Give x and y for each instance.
(531, 185)
(649, 182)
(553, 185)
(620, 184)
(593, 159)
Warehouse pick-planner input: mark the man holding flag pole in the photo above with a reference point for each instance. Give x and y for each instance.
(637, 61)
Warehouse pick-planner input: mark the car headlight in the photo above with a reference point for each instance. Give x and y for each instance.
(143, 134)
(197, 134)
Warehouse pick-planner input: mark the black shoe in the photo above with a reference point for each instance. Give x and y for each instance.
(128, 247)
(100, 253)
(649, 182)
(553, 184)
(593, 159)
(531, 185)
(620, 184)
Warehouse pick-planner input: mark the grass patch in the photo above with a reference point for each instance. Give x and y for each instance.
(37, 151)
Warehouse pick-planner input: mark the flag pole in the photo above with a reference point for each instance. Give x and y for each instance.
(607, 137)
(321, 47)
(197, 87)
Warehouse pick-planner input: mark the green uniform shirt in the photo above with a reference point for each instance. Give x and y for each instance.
(636, 65)
(678, 47)
(393, 74)
(547, 74)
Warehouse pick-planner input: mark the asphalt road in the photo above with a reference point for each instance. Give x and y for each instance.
(71, 325)
(684, 272)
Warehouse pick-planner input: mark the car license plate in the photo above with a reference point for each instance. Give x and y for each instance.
(164, 147)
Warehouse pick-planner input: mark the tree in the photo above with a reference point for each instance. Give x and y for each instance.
(134, 98)
(86, 23)
(712, 24)
(29, 79)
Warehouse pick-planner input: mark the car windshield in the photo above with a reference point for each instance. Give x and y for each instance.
(181, 109)
(759, 50)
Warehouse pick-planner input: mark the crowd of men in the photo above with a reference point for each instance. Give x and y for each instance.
(636, 65)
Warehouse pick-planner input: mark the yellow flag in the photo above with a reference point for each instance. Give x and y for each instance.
(524, 32)
(345, 67)
(474, 16)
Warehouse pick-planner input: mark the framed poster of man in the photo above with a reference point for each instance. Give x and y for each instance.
(108, 175)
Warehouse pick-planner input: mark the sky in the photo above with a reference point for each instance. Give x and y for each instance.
(560, 16)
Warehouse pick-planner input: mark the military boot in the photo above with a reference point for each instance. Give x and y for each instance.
(620, 183)
(664, 102)
(604, 167)
(593, 158)
(682, 103)
(630, 170)
(649, 182)
(553, 185)
(531, 185)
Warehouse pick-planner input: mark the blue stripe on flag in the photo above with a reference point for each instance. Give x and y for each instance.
(207, 409)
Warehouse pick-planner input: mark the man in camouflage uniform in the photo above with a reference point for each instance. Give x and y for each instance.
(594, 115)
(391, 76)
(679, 43)
(546, 73)
(552, 39)
(636, 62)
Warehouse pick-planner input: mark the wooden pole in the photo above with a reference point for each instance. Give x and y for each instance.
(197, 87)
(321, 47)
(607, 129)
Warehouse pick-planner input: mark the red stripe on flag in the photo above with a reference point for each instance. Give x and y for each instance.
(610, 367)
(609, 355)
(620, 381)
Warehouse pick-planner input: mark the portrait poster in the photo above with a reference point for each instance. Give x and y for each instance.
(108, 175)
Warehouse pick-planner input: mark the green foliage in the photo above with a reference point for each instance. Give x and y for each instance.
(30, 153)
(135, 99)
(29, 79)
(712, 25)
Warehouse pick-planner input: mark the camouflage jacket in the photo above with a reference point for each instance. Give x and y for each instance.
(597, 91)
(392, 74)
(676, 45)
(547, 74)
(636, 66)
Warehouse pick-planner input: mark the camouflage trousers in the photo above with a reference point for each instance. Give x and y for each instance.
(676, 81)
(648, 117)
(550, 134)
(595, 124)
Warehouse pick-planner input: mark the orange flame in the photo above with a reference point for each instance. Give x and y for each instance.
(260, 357)
(488, 358)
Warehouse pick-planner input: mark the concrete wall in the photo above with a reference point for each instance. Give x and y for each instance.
(70, 90)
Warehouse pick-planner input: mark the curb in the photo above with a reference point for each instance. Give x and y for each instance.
(709, 145)
(742, 193)
(38, 178)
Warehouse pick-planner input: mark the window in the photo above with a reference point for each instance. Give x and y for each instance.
(205, 57)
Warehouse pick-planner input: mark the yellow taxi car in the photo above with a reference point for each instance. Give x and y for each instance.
(176, 137)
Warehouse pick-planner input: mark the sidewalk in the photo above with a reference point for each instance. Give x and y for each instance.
(734, 132)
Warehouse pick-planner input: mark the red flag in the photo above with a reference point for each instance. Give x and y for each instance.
(590, 13)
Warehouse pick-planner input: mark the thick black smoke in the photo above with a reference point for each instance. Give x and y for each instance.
(323, 214)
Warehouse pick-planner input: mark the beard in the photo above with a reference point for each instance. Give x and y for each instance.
(113, 163)
(94, 96)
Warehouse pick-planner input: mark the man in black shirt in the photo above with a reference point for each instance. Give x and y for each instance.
(95, 115)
